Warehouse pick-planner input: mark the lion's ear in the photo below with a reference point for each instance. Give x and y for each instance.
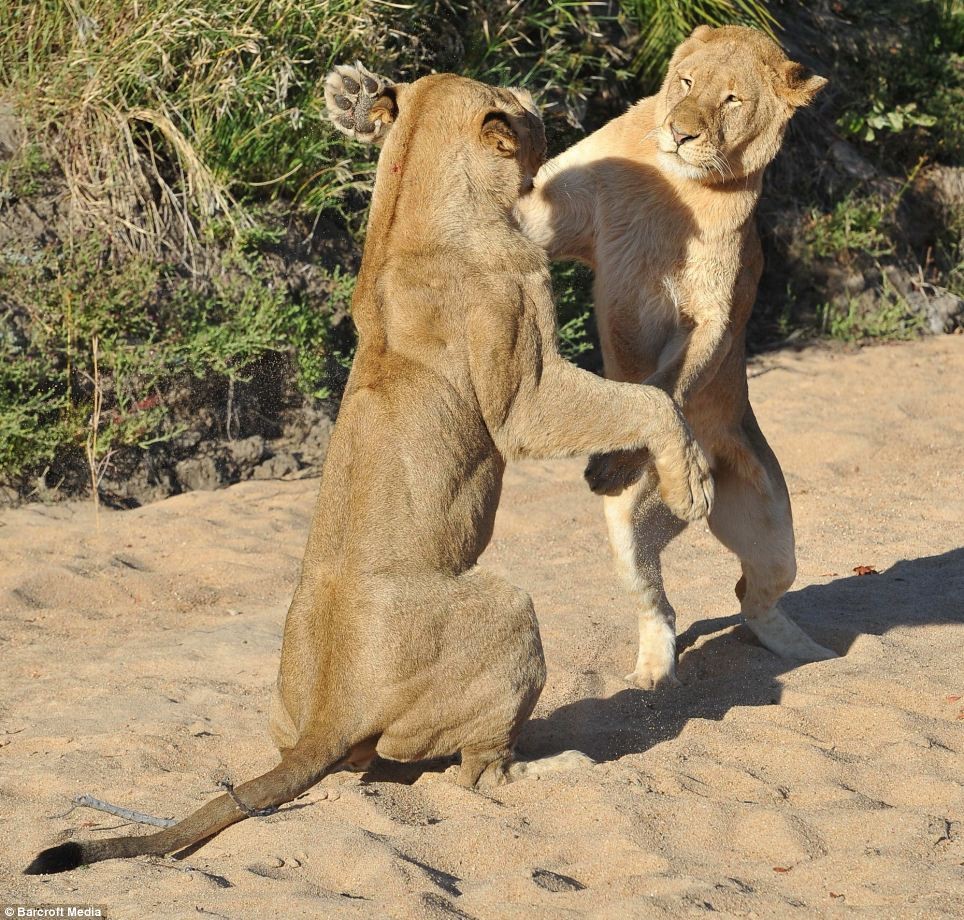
(525, 99)
(699, 36)
(498, 136)
(534, 127)
(701, 33)
(796, 88)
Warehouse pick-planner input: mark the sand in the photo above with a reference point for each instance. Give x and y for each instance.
(138, 658)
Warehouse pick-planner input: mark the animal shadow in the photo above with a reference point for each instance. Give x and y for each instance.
(732, 669)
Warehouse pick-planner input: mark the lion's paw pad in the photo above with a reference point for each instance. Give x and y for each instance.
(610, 474)
(350, 93)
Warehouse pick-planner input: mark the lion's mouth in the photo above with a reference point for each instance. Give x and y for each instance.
(674, 161)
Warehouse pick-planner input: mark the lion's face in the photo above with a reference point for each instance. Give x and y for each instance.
(725, 103)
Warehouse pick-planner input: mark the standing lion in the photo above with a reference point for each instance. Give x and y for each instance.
(660, 203)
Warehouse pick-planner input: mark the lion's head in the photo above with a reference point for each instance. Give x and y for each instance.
(725, 103)
(489, 138)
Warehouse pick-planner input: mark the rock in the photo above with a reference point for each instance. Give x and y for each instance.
(279, 466)
(941, 310)
(248, 451)
(850, 161)
(308, 432)
(946, 184)
(201, 473)
(186, 440)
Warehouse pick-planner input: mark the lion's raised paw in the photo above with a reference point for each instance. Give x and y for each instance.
(687, 485)
(350, 96)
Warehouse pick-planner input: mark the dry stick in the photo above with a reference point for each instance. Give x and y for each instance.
(91, 445)
(228, 787)
(88, 801)
(230, 410)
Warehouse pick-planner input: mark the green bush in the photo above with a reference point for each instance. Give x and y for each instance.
(78, 332)
(901, 95)
(885, 318)
(855, 225)
(190, 139)
(175, 124)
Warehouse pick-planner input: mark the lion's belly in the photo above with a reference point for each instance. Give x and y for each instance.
(636, 323)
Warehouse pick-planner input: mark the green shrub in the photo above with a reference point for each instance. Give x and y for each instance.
(857, 224)
(191, 140)
(900, 83)
(77, 330)
(887, 317)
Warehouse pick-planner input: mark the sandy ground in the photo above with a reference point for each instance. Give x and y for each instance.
(137, 662)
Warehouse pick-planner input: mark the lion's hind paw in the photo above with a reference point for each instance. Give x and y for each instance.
(609, 474)
(350, 94)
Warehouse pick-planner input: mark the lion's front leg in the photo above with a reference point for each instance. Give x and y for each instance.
(360, 103)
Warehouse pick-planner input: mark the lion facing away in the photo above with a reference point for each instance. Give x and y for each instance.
(397, 644)
(660, 203)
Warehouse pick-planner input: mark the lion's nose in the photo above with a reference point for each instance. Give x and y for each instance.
(682, 136)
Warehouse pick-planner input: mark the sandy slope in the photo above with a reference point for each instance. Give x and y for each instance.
(137, 662)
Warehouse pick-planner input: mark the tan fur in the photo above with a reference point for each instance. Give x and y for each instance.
(396, 644)
(660, 202)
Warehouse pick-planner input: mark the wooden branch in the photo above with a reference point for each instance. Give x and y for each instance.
(88, 801)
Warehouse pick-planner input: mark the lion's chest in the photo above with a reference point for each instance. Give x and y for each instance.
(644, 269)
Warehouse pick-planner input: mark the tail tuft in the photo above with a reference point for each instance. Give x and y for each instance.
(57, 859)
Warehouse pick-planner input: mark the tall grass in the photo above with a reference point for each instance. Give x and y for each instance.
(187, 133)
(163, 114)
(663, 24)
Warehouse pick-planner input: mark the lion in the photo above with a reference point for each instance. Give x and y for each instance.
(660, 203)
(396, 644)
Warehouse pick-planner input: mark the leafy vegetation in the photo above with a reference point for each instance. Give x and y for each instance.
(664, 24)
(127, 337)
(852, 197)
(180, 157)
(903, 93)
(856, 319)
(857, 224)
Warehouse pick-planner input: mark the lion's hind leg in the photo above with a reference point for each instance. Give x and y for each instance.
(752, 519)
(485, 677)
(496, 768)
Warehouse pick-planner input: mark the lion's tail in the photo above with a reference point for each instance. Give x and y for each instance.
(301, 767)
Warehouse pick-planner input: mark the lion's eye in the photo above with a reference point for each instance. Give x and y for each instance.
(731, 100)
(686, 81)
